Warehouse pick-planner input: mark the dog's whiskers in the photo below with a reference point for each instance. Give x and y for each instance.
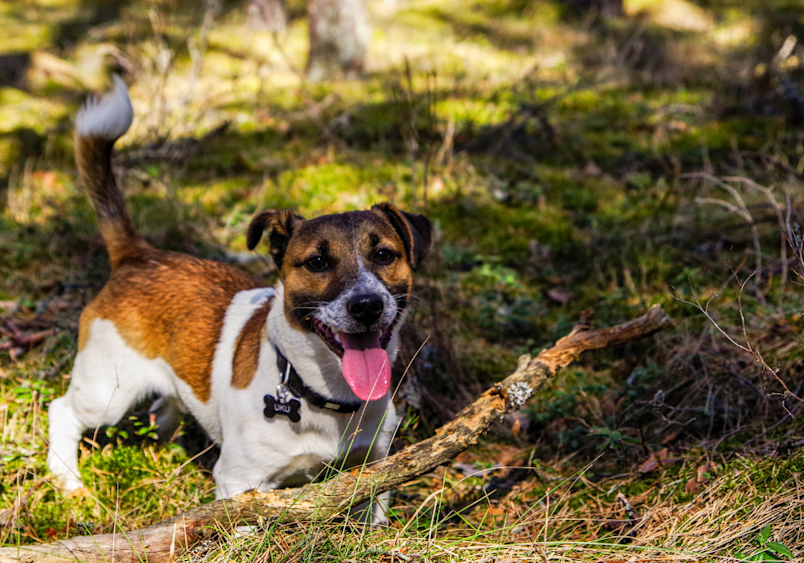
(409, 300)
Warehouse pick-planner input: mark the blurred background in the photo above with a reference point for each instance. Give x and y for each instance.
(574, 155)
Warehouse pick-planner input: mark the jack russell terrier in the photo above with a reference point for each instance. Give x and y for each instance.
(289, 379)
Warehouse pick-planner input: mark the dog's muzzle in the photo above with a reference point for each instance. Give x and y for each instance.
(366, 308)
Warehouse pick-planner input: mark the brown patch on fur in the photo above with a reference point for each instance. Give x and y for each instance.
(398, 275)
(416, 231)
(247, 347)
(83, 330)
(171, 306)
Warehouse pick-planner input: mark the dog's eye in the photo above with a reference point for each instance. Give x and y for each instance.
(316, 264)
(384, 256)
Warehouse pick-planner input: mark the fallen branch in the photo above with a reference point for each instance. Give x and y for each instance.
(21, 340)
(164, 540)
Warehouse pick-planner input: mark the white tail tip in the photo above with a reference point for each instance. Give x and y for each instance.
(108, 117)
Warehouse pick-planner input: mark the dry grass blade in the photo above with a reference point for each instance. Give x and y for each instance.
(740, 209)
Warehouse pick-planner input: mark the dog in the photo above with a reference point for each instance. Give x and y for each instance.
(287, 379)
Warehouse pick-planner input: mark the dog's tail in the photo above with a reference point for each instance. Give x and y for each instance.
(99, 124)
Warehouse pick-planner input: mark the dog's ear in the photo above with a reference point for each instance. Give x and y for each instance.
(416, 231)
(280, 226)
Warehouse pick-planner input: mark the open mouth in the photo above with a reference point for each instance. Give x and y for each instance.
(334, 339)
(364, 361)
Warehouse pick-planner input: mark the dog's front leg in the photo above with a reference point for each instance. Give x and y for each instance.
(64, 436)
(238, 470)
(378, 507)
(375, 510)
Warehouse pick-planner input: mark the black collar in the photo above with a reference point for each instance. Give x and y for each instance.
(299, 389)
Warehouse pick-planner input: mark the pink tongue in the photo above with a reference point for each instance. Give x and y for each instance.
(365, 365)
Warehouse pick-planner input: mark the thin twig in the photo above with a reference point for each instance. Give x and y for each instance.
(747, 347)
(740, 209)
(777, 207)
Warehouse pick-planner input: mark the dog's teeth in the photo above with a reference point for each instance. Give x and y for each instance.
(338, 338)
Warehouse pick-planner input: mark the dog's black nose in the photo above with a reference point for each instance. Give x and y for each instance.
(365, 308)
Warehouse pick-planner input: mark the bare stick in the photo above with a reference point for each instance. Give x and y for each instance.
(747, 347)
(156, 543)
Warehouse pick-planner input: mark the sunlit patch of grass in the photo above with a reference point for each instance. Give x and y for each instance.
(472, 112)
(501, 233)
(37, 196)
(20, 110)
(334, 187)
(26, 28)
(415, 32)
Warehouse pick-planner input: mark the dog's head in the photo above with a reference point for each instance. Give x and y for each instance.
(347, 279)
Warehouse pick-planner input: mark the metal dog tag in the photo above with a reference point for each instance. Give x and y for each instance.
(275, 407)
(281, 405)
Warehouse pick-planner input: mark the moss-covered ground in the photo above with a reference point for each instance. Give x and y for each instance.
(569, 162)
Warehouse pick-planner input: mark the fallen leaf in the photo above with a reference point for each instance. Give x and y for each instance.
(703, 473)
(651, 464)
(669, 437)
(657, 459)
(692, 485)
(519, 423)
(700, 478)
(16, 353)
(676, 125)
(516, 428)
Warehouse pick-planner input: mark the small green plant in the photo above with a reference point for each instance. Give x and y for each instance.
(611, 438)
(409, 425)
(145, 429)
(768, 550)
(113, 431)
(141, 428)
(31, 390)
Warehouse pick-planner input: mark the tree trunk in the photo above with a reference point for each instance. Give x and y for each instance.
(267, 15)
(609, 8)
(161, 542)
(339, 38)
(604, 8)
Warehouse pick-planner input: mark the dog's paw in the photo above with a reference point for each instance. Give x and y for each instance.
(80, 492)
(68, 485)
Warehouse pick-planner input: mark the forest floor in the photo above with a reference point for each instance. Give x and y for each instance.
(568, 161)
